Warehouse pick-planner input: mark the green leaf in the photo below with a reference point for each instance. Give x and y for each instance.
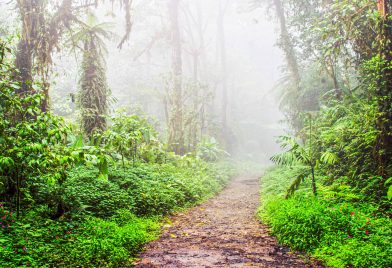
(329, 158)
(296, 183)
(78, 143)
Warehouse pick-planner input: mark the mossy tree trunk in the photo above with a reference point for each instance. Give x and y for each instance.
(93, 97)
(384, 93)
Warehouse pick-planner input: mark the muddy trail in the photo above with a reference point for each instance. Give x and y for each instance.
(223, 232)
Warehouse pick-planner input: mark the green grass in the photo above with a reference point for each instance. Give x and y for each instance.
(339, 232)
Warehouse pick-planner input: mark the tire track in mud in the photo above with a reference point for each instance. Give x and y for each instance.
(222, 232)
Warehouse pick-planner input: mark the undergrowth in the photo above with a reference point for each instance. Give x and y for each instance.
(107, 222)
(337, 227)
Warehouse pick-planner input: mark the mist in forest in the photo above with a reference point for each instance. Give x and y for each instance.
(120, 119)
(228, 49)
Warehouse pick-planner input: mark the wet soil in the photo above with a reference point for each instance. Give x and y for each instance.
(223, 232)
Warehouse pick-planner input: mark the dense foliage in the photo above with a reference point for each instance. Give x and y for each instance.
(349, 99)
(41, 242)
(68, 200)
(91, 192)
(340, 148)
(106, 223)
(338, 227)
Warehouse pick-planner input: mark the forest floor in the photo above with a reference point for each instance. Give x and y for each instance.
(222, 232)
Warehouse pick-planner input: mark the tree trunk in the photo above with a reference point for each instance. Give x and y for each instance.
(202, 68)
(292, 64)
(223, 62)
(94, 91)
(287, 45)
(40, 35)
(175, 124)
(382, 8)
(195, 120)
(314, 187)
(34, 31)
(384, 94)
(25, 48)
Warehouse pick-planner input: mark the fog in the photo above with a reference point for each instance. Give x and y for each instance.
(138, 72)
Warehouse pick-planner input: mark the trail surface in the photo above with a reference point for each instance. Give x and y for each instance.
(223, 232)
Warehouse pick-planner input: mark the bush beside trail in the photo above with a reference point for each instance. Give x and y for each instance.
(335, 227)
(107, 222)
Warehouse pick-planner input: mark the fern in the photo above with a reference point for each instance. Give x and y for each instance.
(329, 158)
(303, 154)
(296, 183)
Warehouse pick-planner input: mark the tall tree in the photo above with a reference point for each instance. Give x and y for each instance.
(223, 63)
(201, 23)
(175, 123)
(293, 68)
(94, 91)
(31, 14)
(287, 44)
(41, 32)
(194, 30)
(384, 92)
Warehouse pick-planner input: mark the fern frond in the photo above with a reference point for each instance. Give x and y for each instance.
(295, 184)
(329, 158)
(284, 159)
(287, 142)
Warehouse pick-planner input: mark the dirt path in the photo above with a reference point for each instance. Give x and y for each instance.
(223, 232)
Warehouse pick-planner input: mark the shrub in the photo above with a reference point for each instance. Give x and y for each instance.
(102, 243)
(93, 242)
(161, 189)
(84, 193)
(341, 233)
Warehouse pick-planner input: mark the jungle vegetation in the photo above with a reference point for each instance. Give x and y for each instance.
(86, 179)
(330, 194)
